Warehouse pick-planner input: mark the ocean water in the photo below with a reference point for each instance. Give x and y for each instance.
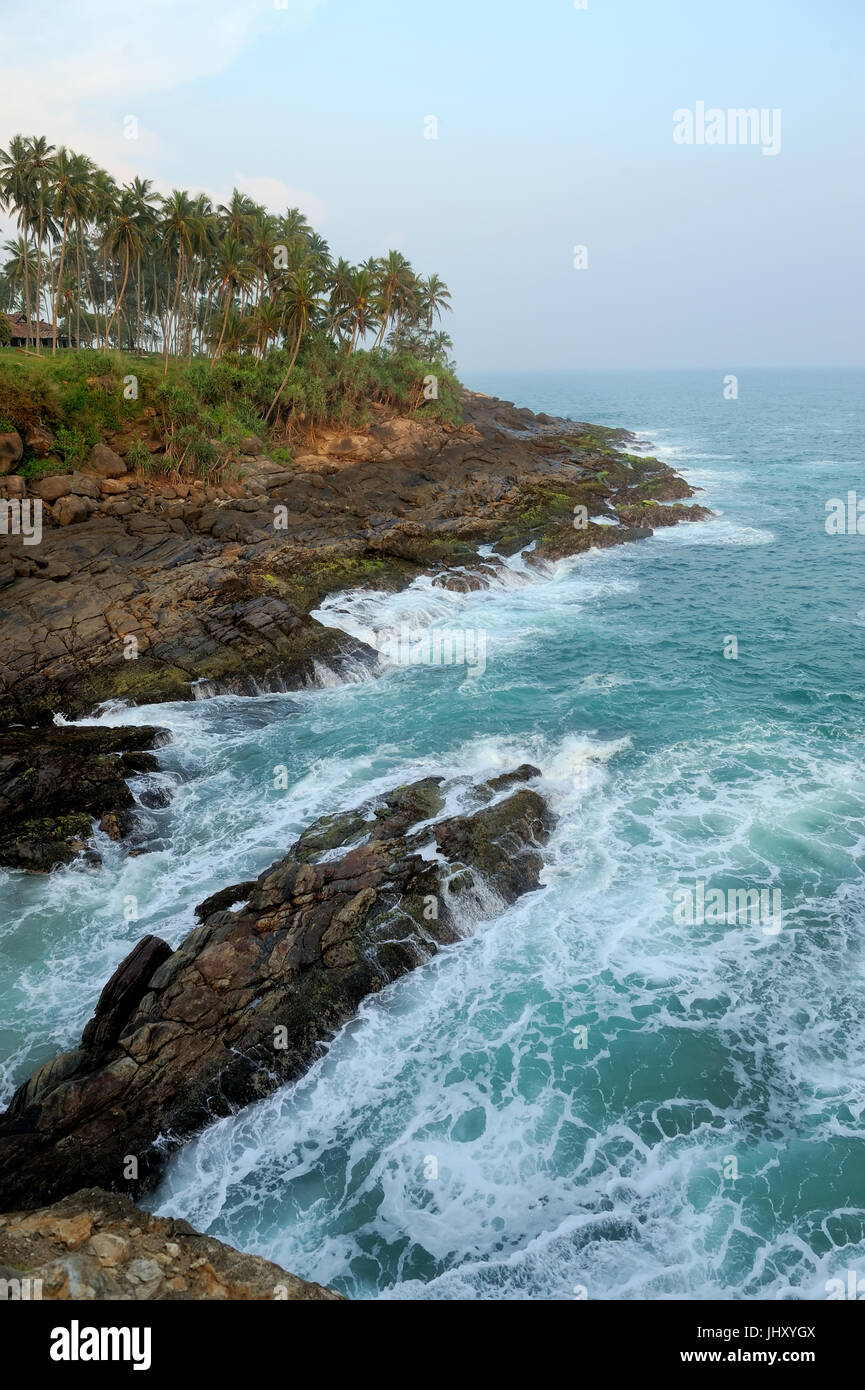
(594, 1093)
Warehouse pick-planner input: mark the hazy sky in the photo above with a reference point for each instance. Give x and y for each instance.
(555, 129)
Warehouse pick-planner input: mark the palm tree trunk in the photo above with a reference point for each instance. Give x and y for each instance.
(59, 283)
(78, 288)
(92, 293)
(39, 277)
(173, 308)
(288, 373)
(119, 299)
(224, 323)
(27, 313)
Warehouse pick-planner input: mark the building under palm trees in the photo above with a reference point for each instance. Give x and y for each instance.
(23, 334)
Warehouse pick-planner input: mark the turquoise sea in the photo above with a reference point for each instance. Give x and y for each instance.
(457, 1141)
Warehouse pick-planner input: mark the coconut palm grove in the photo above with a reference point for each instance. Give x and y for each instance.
(186, 288)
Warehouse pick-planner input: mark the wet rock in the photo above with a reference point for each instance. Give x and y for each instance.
(219, 599)
(155, 798)
(526, 772)
(117, 824)
(55, 781)
(123, 993)
(249, 998)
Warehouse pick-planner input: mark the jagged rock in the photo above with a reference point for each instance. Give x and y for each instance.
(11, 449)
(246, 1001)
(70, 510)
(83, 486)
(117, 825)
(526, 772)
(105, 462)
(123, 993)
(53, 782)
(51, 488)
(38, 440)
(99, 1245)
(13, 486)
(219, 598)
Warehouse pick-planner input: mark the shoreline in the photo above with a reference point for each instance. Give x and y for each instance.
(125, 1055)
(153, 589)
(184, 598)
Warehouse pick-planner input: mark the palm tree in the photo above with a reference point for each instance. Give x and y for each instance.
(17, 193)
(81, 197)
(293, 227)
(237, 217)
(234, 271)
(301, 303)
(361, 305)
(146, 207)
(262, 238)
(435, 296)
(180, 227)
(42, 167)
(266, 320)
(318, 255)
(104, 196)
(405, 300)
(67, 207)
(236, 331)
(20, 268)
(205, 234)
(124, 236)
(339, 285)
(395, 280)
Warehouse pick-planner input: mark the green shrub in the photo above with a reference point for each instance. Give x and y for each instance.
(74, 445)
(203, 409)
(139, 458)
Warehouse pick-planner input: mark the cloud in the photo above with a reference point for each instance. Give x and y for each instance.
(65, 66)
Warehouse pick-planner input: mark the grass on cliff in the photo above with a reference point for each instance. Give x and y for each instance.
(199, 412)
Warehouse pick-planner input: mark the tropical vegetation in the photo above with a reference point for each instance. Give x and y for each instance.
(253, 304)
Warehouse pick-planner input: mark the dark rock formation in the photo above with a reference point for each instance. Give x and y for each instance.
(147, 589)
(54, 782)
(98, 1245)
(246, 1001)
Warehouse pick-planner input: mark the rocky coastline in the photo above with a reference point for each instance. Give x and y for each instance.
(275, 966)
(144, 594)
(144, 590)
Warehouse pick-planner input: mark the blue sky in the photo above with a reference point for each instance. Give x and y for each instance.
(555, 129)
